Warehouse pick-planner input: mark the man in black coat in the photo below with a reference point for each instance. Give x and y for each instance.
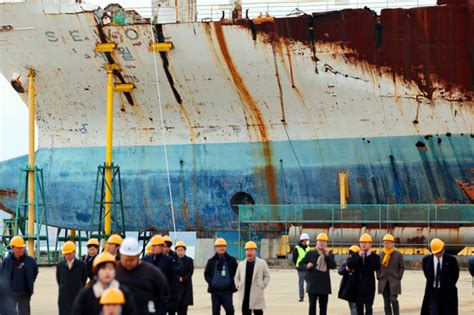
(19, 272)
(168, 242)
(219, 275)
(92, 251)
(71, 276)
(317, 264)
(185, 281)
(165, 264)
(365, 264)
(146, 282)
(442, 273)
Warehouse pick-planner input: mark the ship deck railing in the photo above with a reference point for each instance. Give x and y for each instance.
(429, 215)
(206, 11)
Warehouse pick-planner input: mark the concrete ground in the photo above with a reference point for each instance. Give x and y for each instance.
(281, 295)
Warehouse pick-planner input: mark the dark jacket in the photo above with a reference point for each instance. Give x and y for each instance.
(185, 287)
(7, 302)
(146, 282)
(348, 285)
(364, 270)
(448, 297)
(70, 283)
(89, 260)
(295, 254)
(166, 265)
(31, 271)
(317, 282)
(392, 274)
(210, 266)
(87, 304)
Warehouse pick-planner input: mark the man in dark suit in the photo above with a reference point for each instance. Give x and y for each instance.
(19, 272)
(441, 272)
(71, 275)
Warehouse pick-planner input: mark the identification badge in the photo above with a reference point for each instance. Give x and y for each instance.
(151, 307)
(223, 273)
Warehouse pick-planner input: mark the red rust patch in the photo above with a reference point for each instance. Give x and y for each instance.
(432, 47)
(253, 114)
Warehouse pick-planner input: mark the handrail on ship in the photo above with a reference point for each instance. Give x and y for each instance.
(213, 12)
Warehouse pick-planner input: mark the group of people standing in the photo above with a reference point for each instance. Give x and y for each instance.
(364, 266)
(117, 281)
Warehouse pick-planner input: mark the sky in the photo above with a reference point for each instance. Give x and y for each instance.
(14, 113)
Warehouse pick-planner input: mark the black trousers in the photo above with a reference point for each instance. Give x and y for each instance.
(182, 309)
(246, 311)
(323, 303)
(390, 301)
(223, 299)
(22, 303)
(360, 309)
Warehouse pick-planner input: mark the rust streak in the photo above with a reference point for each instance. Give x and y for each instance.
(251, 109)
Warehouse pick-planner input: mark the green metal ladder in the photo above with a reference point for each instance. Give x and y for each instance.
(98, 210)
(21, 216)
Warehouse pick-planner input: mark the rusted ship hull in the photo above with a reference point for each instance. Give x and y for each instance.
(274, 110)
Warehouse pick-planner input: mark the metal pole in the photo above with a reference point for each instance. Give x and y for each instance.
(31, 162)
(108, 152)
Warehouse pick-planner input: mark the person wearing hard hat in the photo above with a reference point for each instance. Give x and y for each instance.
(365, 263)
(87, 301)
(251, 279)
(165, 264)
(300, 250)
(219, 275)
(112, 301)
(317, 264)
(146, 282)
(184, 276)
(148, 249)
(390, 275)
(92, 251)
(442, 273)
(347, 287)
(168, 242)
(19, 272)
(71, 276)
(113, 245)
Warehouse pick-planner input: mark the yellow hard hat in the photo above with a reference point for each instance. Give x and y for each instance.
(112, 296)
(69, 247)
(105, 257)
(354, 248)
(167, 238)
(148, 248)
(180, 244)
(250, 245)
(115, 239)
(17, 241)
(389, 237)
(436, 245)
(93, 242)
(322, 237)
(365, 238)
(220, 242)
(157, 240)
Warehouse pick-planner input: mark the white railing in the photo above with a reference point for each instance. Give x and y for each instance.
(213, 12)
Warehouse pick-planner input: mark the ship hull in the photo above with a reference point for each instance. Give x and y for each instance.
(274, 110)
(204, 178)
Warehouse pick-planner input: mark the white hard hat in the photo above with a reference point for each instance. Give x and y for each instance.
(304, 236)
(130, 247)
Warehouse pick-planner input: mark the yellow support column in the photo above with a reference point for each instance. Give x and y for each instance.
(72, 234)
(343, 189)
(108, 151)
(31, 162)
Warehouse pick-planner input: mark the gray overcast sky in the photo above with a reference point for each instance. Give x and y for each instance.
(14, 114)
